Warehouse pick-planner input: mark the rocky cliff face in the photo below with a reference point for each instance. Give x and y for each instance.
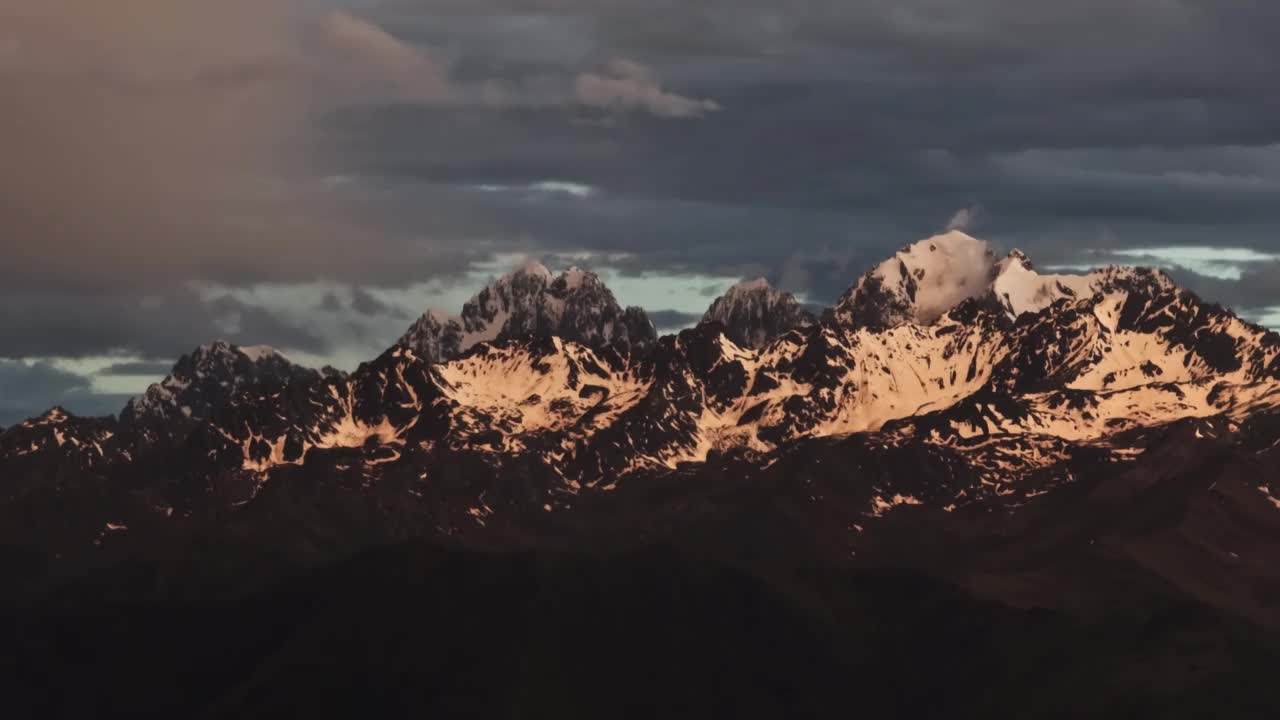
(530, 303)
(754, 314)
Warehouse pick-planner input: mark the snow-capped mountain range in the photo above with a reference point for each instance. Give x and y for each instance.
(1001, 382)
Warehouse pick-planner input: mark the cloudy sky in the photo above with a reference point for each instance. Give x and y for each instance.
(313, 174)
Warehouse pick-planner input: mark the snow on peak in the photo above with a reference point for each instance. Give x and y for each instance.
(748, 286)
(1016, 255)
(532, 268)
(1020, 289)
(573, 277)
(920, 282)
(927, 279)
(222, 354)
(257, 352)
(945, 270)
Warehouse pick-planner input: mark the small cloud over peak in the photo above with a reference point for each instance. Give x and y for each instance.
(964, 219)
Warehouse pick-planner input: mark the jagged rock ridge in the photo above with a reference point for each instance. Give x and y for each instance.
(531, 302)
(1019, 381)
(754, 314)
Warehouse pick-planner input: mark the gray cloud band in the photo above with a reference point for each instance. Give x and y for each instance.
(804, 140)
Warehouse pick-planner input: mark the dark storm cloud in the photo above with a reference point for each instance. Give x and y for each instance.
(669, 320)
(363, 302)
(329, 303)
(872, 123)
(150, 144)
(171, 140)
(399, 141)
(160, 325)
(27, 390)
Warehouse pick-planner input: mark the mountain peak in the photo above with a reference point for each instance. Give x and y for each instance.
(575, 276)
(221, 351)
(748, 286)
(209, 376)
(927, 279)
(1016, 255)
(919, 283)
(1020, 289)
(222, 357)
(257, 353)
(532, 268)
(531, 302)
(55, 415)
(753, 313)
(953, 238)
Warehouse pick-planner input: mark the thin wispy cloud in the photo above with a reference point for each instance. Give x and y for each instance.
(628, 86)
